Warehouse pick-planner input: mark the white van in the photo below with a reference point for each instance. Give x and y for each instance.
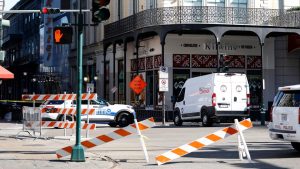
(285, 116)
(212, 98)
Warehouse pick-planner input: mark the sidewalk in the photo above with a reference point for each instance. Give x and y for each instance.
(27, 153)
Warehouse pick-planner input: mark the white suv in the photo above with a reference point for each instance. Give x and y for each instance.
(285, 116)
(117, 114)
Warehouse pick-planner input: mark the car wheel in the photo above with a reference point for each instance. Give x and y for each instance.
(124, 120)
(177, 119)
(296, 146)
(112, 124)
(206, 120)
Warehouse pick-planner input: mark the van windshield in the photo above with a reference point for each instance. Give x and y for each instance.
(289, 99)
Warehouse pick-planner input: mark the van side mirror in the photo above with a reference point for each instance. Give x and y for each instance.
(173, 99)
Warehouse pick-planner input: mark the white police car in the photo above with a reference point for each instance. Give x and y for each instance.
(117, 114)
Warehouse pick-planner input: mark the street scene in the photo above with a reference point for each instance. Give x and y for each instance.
(149, 84)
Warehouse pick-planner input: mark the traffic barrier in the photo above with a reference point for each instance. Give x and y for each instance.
(84, 96)
(203, 141)
(102, 139)
(68, 125)
(68, 111)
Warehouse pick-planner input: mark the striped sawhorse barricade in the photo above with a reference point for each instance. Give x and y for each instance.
(207, 140)
(32, 121)
(67, 125)
(64, 111)
(35, 97)
(115, 135)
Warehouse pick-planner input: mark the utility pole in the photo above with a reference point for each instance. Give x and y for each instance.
(78, 152)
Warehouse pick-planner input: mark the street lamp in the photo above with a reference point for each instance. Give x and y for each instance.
(85, 79)
(25, 90)
(95, 78)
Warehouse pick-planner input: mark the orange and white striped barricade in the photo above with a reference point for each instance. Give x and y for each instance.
(68, 125)
(242, 145)
(71, 111)
(31, 120)
(68, 111)
(203, 141)
(102, 139)
(141, 138)
(84, 96)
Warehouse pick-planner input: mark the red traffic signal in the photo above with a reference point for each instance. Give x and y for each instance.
(50, 10)
(99, 12)
(102, 2)
(62, 35)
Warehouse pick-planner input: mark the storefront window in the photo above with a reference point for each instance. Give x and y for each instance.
(255, 85)
(149, 88)
(179, 77)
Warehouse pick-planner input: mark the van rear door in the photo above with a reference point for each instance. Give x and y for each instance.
(231, 92)
(239, 89)
(223, 92)
(286, 112)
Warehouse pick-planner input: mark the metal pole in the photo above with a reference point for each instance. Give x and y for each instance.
(88, 119)
(39, 11)
(78, 152)
(262, 109)
(164, 110)
(65, 118)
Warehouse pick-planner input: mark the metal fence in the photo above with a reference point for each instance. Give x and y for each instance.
(31, 120)
(204, 15)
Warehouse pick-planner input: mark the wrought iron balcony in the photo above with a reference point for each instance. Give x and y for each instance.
(203, 15)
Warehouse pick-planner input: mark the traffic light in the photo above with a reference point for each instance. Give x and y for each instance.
(224, 62)
(46, 10)
(62, 35)
(99, 11)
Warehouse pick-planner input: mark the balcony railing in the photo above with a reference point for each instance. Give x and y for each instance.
(203, 15)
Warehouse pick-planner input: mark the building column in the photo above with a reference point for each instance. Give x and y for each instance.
(137, 45)
(124, 70)
(218, 55)
(162, 43)
(114, 71)
(104, 72)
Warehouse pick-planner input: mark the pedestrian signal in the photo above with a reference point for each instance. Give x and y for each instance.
(62, 35)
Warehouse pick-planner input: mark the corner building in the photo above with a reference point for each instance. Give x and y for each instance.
(188, 38)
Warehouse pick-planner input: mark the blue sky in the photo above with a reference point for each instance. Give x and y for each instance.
(9, 4)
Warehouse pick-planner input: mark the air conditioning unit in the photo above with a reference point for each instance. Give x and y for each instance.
(2, 55)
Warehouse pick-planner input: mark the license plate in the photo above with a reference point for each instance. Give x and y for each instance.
(287, 127)
(223, 106)
(284, 127)
(283, 117)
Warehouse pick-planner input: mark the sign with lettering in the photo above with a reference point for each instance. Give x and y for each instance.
(163, 72)
(137, 84)
(163, 85)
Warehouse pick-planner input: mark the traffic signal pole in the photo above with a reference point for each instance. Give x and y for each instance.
(78, 152)
(39, 11)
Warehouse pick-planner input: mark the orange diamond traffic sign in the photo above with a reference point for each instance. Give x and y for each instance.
(137, 84)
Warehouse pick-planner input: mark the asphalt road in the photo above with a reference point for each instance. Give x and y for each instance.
(126, 153)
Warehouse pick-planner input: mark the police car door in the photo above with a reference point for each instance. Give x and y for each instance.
(102, 110)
